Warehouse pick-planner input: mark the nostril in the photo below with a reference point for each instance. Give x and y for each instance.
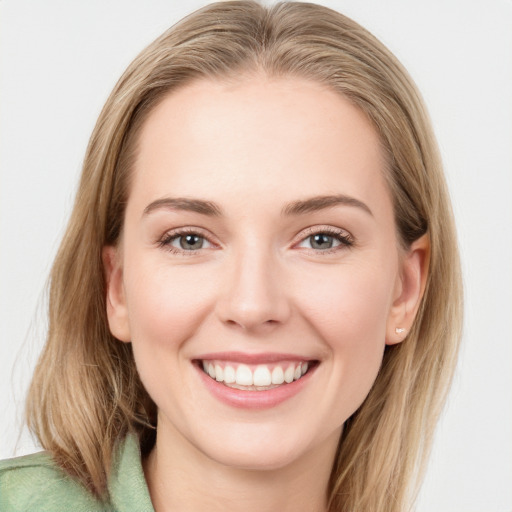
(249, 324)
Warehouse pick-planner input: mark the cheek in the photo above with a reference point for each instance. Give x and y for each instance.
(166, 307)
(349, 311)
(353, 301)
(165, 304)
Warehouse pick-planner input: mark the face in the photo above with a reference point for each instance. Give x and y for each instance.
(258, 276)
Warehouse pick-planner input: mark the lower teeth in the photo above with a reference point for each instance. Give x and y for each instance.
(252, 388)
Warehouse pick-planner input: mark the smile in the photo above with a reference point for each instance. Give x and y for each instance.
(254, 381)
(259, 377)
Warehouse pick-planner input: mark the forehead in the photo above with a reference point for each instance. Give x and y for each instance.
(241, 139)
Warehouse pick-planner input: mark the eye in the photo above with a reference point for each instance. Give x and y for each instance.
(326, 240)
(184, 241)
(189, 242)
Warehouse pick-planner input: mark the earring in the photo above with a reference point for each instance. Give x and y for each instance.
(399, 330)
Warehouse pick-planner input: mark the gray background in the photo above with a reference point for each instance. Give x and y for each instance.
(59, 61)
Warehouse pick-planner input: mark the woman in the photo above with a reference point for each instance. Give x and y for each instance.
(259, 286)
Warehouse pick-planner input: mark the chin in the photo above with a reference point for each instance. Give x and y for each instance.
(255, 458)
(260, 448)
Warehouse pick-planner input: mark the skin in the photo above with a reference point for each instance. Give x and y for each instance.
(258, 284)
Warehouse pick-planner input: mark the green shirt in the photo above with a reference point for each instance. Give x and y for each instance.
(35, 483)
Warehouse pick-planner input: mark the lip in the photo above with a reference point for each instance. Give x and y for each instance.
(262, 358)
(249, 399)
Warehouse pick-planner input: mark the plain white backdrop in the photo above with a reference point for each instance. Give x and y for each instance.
(59, 61)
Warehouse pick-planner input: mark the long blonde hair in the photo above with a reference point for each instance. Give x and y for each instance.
(86, 394)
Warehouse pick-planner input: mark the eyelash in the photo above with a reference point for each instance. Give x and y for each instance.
(169, 237)
(344, 238)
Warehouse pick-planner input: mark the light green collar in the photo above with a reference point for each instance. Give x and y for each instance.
(127, 486)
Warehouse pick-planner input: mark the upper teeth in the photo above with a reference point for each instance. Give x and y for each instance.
(260, 375)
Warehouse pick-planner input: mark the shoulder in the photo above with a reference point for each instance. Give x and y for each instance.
(35, 482)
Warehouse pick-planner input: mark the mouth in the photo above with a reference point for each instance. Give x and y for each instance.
(255, 377)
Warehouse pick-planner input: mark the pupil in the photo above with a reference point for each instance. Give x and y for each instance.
(191, 242)
(322, 241)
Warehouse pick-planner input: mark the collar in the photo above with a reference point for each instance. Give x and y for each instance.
(127, 486)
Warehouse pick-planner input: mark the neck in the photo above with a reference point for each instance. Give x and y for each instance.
(181, 478)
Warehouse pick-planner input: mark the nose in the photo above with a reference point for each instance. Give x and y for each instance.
(254, 296)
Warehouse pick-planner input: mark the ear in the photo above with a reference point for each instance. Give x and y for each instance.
(409, 290)
(117, 312)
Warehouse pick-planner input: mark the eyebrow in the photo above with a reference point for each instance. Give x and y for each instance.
(317, 203)
(183, 203)
(299, 207)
